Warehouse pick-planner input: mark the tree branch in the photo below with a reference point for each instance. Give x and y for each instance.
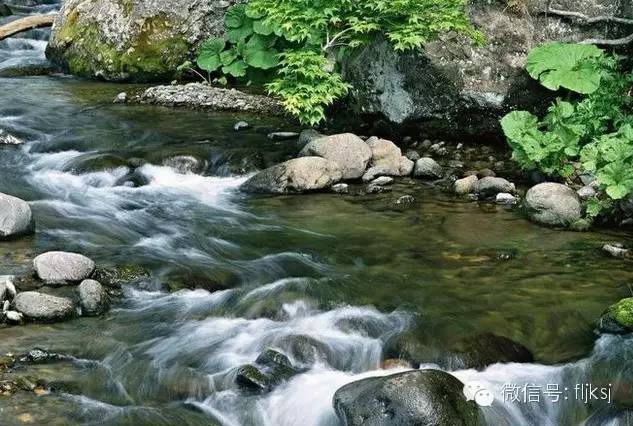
(610, 42)
(25, 24)
(589, 19)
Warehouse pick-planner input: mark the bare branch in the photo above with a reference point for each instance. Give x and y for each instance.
(25, 24)
(610, 42)
(589, 19)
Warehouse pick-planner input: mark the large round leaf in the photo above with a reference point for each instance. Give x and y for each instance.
(209, 54)
(236, 69)
(236, 16)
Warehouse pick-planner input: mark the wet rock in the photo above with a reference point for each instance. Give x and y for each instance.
(618, 318)
(347, 150)
(377, 189)
(185, 164)
(465, 186)
(118, 275)
(121, 98)
(295, 176)
(7, 287)
(586, 192)
(5, 10)
(63, 267)
(396, 363)
(490, 186)
(251, 379)
(137, 41)
(15, 217)
(486, 349)
(617, 250)
(388, 158)
(419, 397)
(276, 366)
(241, 125)
(341, 188)
(39, 356)
(282, 136)
(14, 317)
(405, 200)
(553, 204)
(306, 136)
(306, 350)
(382, 180)
(484, 173)
(93, 299)
(29, 70)
(504, 198)
(272, 358)
(428, 168)
(43, 307)
(412, 155)
(134, 179)
(204, 97)
(7, 138)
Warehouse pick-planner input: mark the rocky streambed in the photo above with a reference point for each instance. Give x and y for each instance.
(169, 266)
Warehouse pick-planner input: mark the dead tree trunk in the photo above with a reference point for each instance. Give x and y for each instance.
(25, 24)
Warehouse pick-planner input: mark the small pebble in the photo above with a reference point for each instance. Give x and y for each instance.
(405, 200)
(616, 250)
(241, 125)
(275, 136)
(506, 199)
(586, 192)
(341, 188)
(382, 180)
(377, 189)
(121, 98)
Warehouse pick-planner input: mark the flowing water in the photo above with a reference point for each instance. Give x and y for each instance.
(231, 274)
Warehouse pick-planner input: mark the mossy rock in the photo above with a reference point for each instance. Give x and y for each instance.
(121, 40)
(618, 319)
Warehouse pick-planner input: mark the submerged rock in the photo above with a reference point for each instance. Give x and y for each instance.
(63, 267)
(184, 164)
(43, 307)
(617, 250)
(553, 204)
(427, 167)
(504, 198)
(340, 188)
(121, 98)
(116, 276)
(132, 41)
(381, 181)
(241, 125)
(282, 136)
(486, 349)
(250, 378)
(7, 138)
(93, 299)
(618, 318)
(347, 150)
(295, 176)
(419, 397)
(15, 217)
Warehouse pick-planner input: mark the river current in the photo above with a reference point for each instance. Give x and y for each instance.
(233, 275)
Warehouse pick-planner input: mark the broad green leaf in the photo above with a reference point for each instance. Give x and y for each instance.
(261, 27)
(236, 35)
(228, 57)
(209, 54)
(264, 59)
(236, 69)
(558, 65)
(236, 16)
(517, 124)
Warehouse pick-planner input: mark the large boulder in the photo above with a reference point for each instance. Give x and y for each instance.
(419, 397)
(93, 299)
(618, 318)
(43, 307)
(553, 204)
(347, 150)
(123, 40)
(453, 87)
(386, 159)
(295, 176)
(15, 217)
(63, 267)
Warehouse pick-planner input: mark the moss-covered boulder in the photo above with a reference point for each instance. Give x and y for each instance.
(125, 40)
(618, 318)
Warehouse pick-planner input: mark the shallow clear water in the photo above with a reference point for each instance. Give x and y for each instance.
(351, 274)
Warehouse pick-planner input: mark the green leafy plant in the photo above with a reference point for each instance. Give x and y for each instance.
(591, 135)
(300, 41)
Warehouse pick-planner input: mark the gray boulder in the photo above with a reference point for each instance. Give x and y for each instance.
(7, 138)
(453, 87)
(15, 217)
(43, 307)
(295, 176)
(93, 299)
(387, 160)
(63, 267)
(491, 186)
(418, 397)
(347, 150)
(465, 185)
(145, 40)
(553, 204)
(428, 168)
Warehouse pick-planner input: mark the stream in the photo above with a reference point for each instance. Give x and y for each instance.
(234, 274)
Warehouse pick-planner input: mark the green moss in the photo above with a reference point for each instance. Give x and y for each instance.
(154, 55)
(623, 312)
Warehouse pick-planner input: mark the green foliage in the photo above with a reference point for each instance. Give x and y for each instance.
(305, 86)
(588, 135)
(311, 34)
(572, 66)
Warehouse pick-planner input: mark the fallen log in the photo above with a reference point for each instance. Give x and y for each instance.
(25, 24)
